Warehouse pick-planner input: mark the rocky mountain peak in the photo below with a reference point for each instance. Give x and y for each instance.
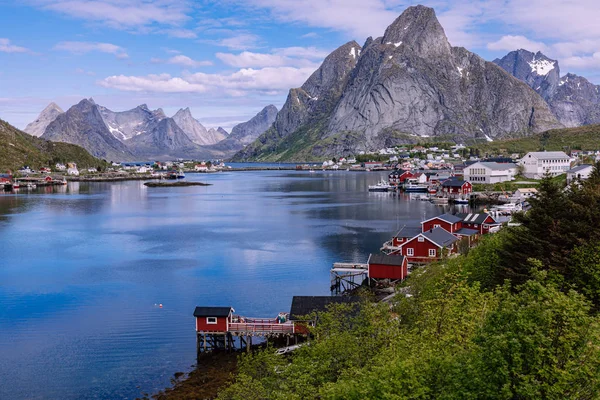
(419, 29)
(48, 114)
(222, 131)
(194, 129)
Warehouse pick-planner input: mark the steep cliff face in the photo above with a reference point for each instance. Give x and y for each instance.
(574, 100)
(83, 125)
(195, 130)
(407, 84)
(48, 114)
(125, 125)
(165, 141)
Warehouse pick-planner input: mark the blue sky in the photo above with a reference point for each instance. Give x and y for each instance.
(227, 59)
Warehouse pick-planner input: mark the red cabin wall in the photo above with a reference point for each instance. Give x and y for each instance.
(428, 225)
(379, 271)
(220, 326)
(421, 250)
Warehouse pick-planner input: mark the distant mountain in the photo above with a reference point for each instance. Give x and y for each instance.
(48, 114)
(165, 141)
(83, 125)
(410, 83)
(19, 148)
(195, 130)
(574, 100)
(127, 124)
(247, 132)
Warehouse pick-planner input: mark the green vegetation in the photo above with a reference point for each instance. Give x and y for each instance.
(515, 318)
(18, 149)
(582, 138)
(523, 182)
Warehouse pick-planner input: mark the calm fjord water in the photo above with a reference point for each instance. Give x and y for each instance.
(82, 272)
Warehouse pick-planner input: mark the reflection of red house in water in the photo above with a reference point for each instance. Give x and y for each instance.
(382, 266)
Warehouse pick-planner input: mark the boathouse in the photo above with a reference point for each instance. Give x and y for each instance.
(481, 222)
(382, 266)
(429, 246)
(449, 222)
(455, 187)
(213, 319)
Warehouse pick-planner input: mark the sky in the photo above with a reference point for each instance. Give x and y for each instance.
(227, 59)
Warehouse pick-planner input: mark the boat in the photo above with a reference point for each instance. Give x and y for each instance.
(439, 200)
(171, 175)
(415, 187)
(431, 190)
(381, 186)
(31, 186)
(423, 197)
(461, 200)
(16, 185)
(180, 174)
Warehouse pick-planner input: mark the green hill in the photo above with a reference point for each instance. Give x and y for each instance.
(581, 138)
(17, 149)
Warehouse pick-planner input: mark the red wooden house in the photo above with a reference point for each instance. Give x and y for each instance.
(428, 246)
(455, 187)
(213, 319)
(382, 266)
(449, 222)
(398, 177)
(481, 222)
(405, 234)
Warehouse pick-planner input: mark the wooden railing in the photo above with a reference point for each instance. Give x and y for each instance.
(257, 327)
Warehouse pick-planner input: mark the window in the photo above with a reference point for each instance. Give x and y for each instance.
(211, 320)
(431, 252)
(421, 239)
(410, 252)
(435, 226)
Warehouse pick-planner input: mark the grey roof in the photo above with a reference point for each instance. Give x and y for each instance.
(304, 305)
(409, 232)
(579, 168)
(453, 183)
(545, 155)
(498, 166)
(212, 311)
(452, 219)
(466, 232)
(440, 236)
(383, 259)
(474, 218)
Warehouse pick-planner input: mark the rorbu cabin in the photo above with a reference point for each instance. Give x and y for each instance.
(382, 266)
(429, 246)
(454, 187)
(481, 222)
(213, 319)
(449, 222)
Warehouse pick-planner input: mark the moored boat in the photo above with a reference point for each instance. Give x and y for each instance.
(415, 187)
(381, 186)
(439, 200)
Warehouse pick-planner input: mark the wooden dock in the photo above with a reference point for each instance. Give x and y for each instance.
(347, 276)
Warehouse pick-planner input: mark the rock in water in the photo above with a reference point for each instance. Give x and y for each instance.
(49, 114)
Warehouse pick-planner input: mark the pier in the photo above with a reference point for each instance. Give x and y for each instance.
(347, 276)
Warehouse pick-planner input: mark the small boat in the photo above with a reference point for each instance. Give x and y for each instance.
(423, 197)
(415, 187)
(381, 186)
(172, 175)
(180, 174)
(16, 185)
(431, 190)
(439, 200)
(31, 186)
(461, 200)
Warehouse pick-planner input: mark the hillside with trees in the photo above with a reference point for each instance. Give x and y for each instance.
(515, 318)
(18, 148)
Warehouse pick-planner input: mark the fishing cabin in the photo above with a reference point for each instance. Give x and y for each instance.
(213, 319)
(449, 222)
(429, 246)
(481, 222)
(382, 266)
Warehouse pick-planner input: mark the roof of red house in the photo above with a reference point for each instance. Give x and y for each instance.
(304, 305)
(386, 260)
(451, 219)
(212, 311)
(453, 183)
(440, 236)
(408, 232)
(466, 232)
(474, 218)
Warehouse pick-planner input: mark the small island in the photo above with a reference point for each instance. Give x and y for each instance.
(175, 184)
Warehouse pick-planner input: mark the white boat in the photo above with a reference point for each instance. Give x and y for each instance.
(461, 200)
(381, 186)
(180, 174)
(439, 200)
(415, 187)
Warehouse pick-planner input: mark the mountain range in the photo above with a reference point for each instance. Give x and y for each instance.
(141, 133)
(402, 87)
(573, 99)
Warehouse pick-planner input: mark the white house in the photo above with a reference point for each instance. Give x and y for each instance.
(581, 173)
(537, 163)
(490, 172)
(523, 194)
(60, 167)
(72, 170)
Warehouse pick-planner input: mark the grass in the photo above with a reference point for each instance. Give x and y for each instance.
(18, 149)
(512, 186)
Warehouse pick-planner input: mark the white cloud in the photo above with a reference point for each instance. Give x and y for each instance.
(121, 13)
(304, 52)
(292, 56)
(87, 47)
(271, 80)
(579, 62)
(310, 35)
(510, 43)
(242, 41)
(82, 71)
(163, 83)
(187, 61)
(181, 33)
(7, 47)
